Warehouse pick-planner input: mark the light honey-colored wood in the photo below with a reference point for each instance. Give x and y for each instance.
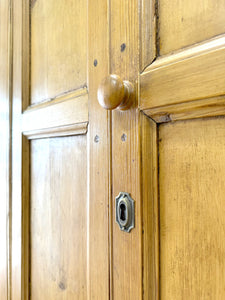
(192, 224)
(99, 161)
(56, 113)
(62, 58)
(148, 21)
(188, 110)
(192, 74)
(25, 220)
(59, 205)
(5, 159)
(71, 158)
(66, 113)
(126, 164)
(150, 218)
(20, 159)
(75, 129)
(183, 22)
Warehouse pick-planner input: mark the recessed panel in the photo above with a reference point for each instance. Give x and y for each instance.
(183, 23)
(58, 47)
(192, 209)
(58, 218)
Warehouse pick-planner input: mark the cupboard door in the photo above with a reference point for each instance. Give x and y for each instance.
(182, 90)
(59, 198)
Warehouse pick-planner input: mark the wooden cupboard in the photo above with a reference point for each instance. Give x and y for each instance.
(64, 158)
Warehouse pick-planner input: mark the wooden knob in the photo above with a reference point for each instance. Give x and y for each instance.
(113, 93)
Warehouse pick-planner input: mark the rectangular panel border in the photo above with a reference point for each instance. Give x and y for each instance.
(189, 75)
(148, 32)
(20, 152)
(150, 210)
(28, 123)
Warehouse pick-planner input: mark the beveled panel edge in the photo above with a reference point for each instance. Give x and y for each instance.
(67, 130)
(60, 98)
(198, 49)
(150, 210)
(55, 114)
(189, 110)
(148, 32)
(192, 74)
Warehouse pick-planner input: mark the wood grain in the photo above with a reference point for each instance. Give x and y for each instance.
(188, 75)
(150, 218)
(183, 22)
(188, 110)
(126, 248)
(59, 112)
(99, 144)
(67, 112)
(191, 172)
(58, 204)
(5, 159)
(20, 165)
(148, 23)
(58, 62)
(67, 130)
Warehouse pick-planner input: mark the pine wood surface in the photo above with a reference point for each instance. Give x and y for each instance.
(63, 111)
(191, 74)
(67, 113)
(191, 185)
(124, 58)
(54, 53)
(148, 23)
(58, 263)
(150, 211)
(189, 110)
(99, 159)
(183, 23)
(73, 47)
(19, 287)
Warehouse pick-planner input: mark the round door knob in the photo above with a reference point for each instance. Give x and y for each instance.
(113, 93)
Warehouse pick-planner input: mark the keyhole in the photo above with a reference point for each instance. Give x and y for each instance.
(123, 214)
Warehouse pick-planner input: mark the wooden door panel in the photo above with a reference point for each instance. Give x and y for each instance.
(58, 50)
(192, 224)
(184, 23)
(186, 61)
(58, 218)
(54, 126)
(61, 190)
(168, 26)
(184, 79)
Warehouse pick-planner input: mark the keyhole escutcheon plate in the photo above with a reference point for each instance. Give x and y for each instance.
(125, 211)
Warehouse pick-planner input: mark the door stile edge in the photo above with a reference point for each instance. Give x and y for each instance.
(5, 135)
(111, 202)
(25, 256)
(111, 207)
(20, 153)
(125, 62)
(99, 162)
(148, 21)
(9, 208)
(150, 207)
(25, 154)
